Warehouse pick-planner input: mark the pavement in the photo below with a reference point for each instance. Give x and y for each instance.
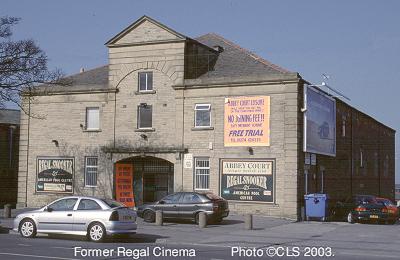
(343, 240)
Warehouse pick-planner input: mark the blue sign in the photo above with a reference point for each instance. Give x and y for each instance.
(319, 122)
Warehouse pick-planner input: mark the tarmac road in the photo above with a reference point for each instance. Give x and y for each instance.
(226, 241)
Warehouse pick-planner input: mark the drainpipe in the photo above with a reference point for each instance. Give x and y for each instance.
(27, 152)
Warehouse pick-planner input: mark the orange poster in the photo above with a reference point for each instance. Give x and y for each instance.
(124, 184)
(246, 121)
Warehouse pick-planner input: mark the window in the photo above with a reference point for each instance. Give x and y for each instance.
(86, 204)
(343, 126)
(171, 199)
(92, 118)
(63, 205)
(202, 173)
(189, 198)
(202, 115)
(145, 119)
(145, 81)
(91, 171)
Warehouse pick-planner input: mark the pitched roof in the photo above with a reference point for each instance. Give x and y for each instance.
(235, 61)
(9, 116)
(96, 76)
(93, 79)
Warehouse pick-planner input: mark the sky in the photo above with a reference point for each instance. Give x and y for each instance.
(356, 43)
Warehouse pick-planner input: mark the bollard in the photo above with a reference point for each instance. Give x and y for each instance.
(159, 218)
(248, 221)
(7, 211)
(202, 220)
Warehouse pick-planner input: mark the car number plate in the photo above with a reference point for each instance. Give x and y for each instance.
(373, 216)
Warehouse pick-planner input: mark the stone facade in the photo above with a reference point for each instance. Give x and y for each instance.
(57, 127)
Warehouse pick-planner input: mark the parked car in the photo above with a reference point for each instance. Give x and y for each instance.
(187, 205)
(361, 208)
(393, 211)
(87, 216)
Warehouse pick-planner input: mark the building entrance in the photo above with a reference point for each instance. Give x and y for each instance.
(152, 179)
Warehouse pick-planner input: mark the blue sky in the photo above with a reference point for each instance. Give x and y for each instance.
(357, 43)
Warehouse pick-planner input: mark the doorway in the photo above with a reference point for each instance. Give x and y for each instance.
(152, 178)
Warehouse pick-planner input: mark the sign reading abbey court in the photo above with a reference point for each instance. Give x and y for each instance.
(55, 175)
(247, 180)
(246, 121)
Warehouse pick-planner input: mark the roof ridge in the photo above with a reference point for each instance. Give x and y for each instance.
(249, 53)
(79, 73)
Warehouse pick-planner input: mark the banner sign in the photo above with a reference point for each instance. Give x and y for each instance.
(319, 122)
(247, 180)
(246, 121)
(55, 175)
(124, 184)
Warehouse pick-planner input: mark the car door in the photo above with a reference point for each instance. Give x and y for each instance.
(87, 210)
(169, 205)
(58, 216)
(190, 204)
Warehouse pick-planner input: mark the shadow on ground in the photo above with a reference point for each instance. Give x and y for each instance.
(134, 238)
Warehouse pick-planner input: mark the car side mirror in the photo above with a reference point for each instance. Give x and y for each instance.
(48, 209)
(161, 202)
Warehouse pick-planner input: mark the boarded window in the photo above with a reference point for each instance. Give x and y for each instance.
(92, 118)
(145, 117)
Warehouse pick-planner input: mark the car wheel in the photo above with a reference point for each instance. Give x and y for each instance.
(350, 218)
(27, 228)
(149, 216)
(218, 220)
(97, 232)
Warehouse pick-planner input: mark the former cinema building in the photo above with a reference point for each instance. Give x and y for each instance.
(172, 113)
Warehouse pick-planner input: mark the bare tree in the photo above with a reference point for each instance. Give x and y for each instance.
(23, 65)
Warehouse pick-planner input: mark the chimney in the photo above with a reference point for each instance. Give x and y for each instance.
(82, 70)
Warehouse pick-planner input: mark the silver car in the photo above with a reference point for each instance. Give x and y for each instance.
(76, 215)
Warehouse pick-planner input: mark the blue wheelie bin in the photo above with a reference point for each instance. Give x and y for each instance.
(316, 206)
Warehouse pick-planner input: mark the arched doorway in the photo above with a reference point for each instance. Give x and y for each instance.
(149, 178)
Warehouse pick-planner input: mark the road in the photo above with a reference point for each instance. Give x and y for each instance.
(227, 241)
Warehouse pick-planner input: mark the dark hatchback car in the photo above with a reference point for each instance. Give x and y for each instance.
(187, 205)
(361, 208)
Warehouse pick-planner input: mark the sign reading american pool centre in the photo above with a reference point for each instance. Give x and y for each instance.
(246, 121)
(55, 175)
(247, 180)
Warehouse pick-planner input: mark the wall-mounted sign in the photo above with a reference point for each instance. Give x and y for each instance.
(319, 122)
(313, 159)
(55, 175)
(124, 184)
(188, 161)
(247, 180)
(246, 121)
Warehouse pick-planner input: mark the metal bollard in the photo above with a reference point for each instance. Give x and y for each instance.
(7, 211)
(159, 218)
(248, 221)
(202, 220)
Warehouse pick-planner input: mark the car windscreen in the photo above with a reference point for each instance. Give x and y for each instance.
(113, 203)
(365, 200)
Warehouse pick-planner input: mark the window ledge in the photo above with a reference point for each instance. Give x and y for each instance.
(91, 130)
(144, 92)
(145, 130)
(202, 128)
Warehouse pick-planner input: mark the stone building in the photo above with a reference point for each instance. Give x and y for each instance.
(170, 113)
(9, 136)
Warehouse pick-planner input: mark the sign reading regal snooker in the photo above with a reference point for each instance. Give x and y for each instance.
(246, 121)
(55, 175)
(247, 180)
